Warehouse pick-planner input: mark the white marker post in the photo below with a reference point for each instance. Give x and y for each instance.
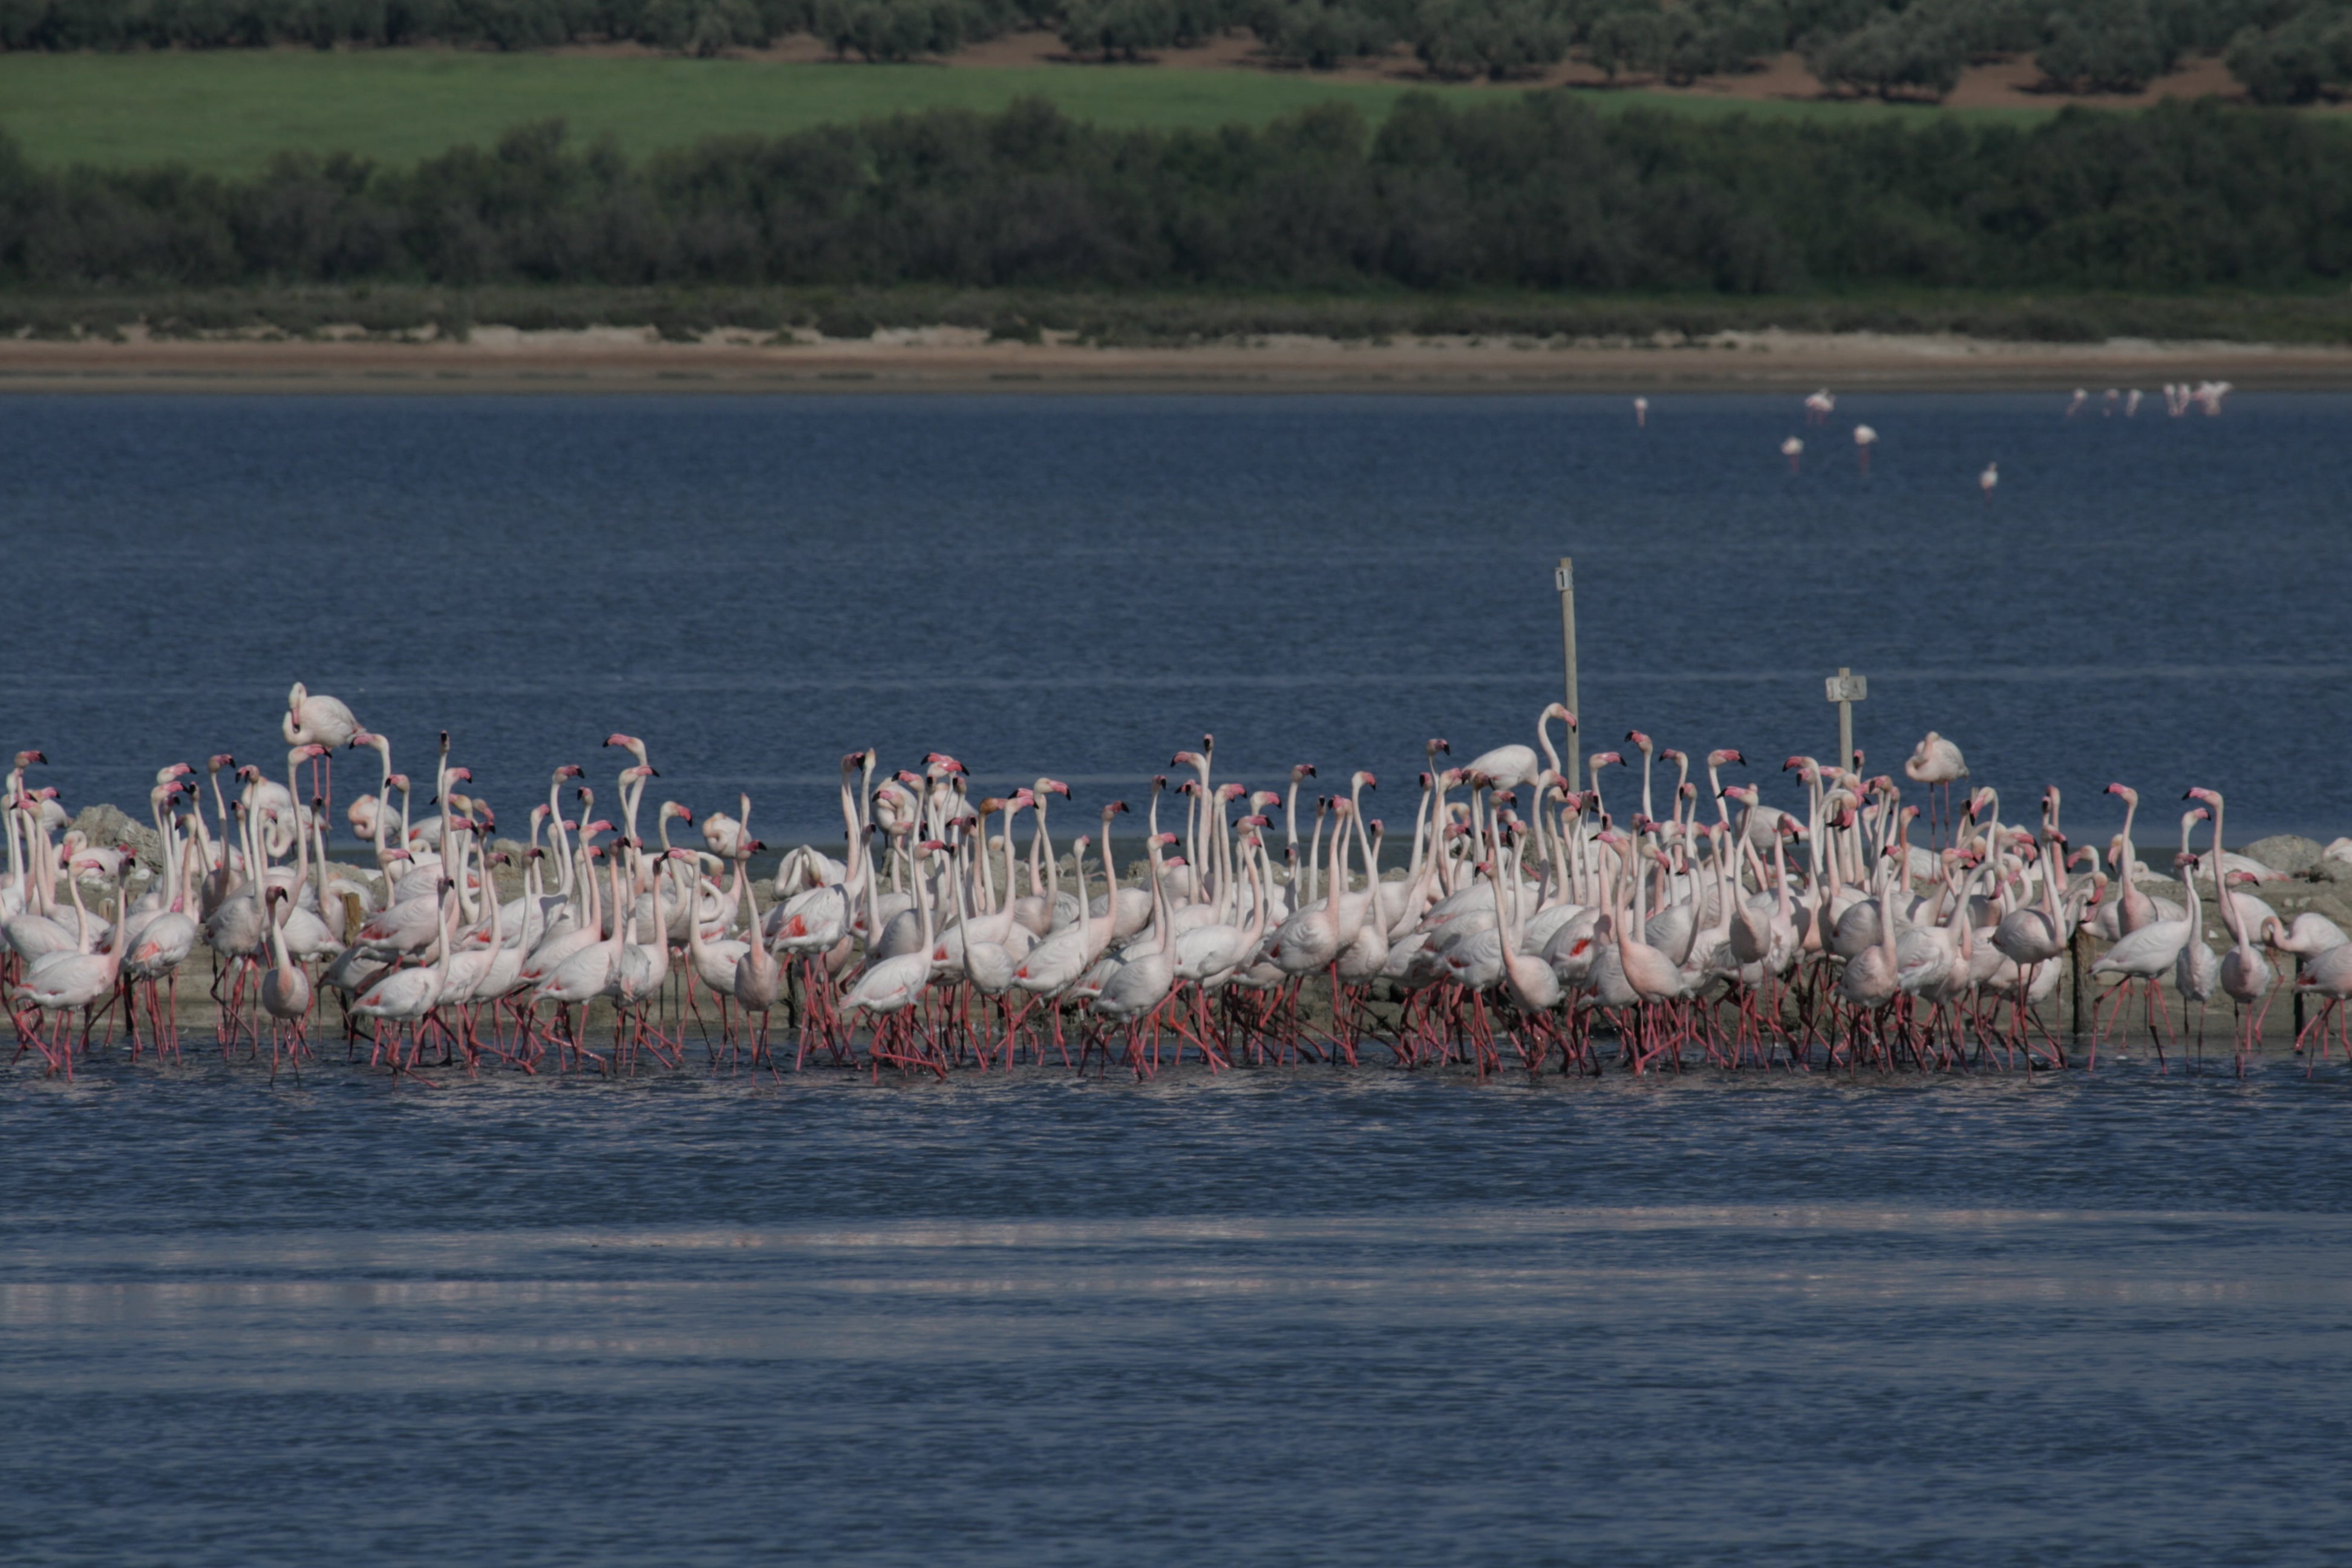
(1563, 578)
(1845, 689)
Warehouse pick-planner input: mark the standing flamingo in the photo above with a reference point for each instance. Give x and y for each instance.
(2246, 975)
(322, 721)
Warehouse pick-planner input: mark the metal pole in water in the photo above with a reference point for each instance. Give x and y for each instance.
(2075, 977)
(1564, 579)
(1845, 689)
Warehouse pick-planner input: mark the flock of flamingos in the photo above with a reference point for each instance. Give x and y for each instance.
(1520, 923)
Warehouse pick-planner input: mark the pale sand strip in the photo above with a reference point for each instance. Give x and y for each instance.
(503, 360)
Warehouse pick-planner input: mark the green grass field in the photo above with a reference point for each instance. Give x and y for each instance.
(226, 111)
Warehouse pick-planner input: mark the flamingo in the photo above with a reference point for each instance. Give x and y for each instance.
(60, 982)
(1937, 763)
(2142, 957)
(322, 721)
(285, 990)
(2246, 977)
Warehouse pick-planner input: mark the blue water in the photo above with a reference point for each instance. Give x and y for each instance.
(1082, 586)
(1276, 1318)
(1282, 1316)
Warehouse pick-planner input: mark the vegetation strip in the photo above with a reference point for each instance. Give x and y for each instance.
(1537, 194)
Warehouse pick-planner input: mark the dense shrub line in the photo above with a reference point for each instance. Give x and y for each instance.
(2281, 50)
(1531, 192)
(1150, 317)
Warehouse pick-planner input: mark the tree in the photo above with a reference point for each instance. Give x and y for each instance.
(2104, 46)
(1494, 39)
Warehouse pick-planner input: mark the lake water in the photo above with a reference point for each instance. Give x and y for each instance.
(1282, 1316)
(1082, 586)
(1276, 1318)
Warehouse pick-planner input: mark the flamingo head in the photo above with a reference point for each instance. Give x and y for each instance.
(1641, 742)
(670, 808)
(26, 759)
(1258, 821)
(1231, 792)
(1113, 809)
(1056, 786)
(1606, 759)
(1162, 839)
(1436, 744)
(571, 770)
(627, 743)
(2209, 797)
(1670, 756)
(1303, 770)
(1363, 779)
(1557, 711)
(176, 771)
(1188, 759)
(2130, 795)
(1265, 800)
(213, 764)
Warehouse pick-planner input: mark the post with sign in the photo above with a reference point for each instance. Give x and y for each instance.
(1564, 579)
(1845, 689)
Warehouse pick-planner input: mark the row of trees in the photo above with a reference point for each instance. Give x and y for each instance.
(1534, 193)
(2282, 51)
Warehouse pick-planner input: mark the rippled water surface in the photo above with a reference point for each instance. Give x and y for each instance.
(1283, 1317)
(1081, 586)
(1276, 1317)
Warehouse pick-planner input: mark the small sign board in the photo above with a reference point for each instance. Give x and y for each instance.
(1848, 687)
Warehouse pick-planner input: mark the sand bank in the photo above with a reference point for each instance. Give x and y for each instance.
(637, 360)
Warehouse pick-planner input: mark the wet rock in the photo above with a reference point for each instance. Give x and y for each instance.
(106, 827)
(2287, 852)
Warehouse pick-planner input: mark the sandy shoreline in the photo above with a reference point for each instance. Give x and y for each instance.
(501, 360)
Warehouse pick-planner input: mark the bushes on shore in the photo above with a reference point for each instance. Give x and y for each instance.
(2283, 51)
(1532, 193)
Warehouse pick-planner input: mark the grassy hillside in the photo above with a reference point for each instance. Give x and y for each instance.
(225, 111)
